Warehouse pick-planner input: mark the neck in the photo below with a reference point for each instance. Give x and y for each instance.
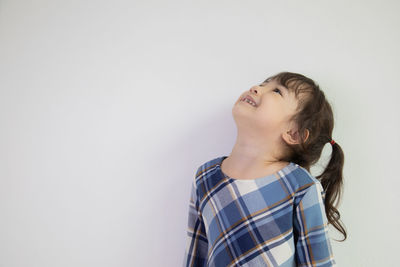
(249, 160)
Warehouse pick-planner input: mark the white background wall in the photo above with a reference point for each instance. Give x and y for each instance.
(109, 107)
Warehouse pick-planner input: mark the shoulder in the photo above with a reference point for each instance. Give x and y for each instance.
(207, 175)
(302, 181)
(207, 167)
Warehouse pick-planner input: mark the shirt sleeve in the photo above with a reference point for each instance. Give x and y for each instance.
(312, 243)
(196, 240)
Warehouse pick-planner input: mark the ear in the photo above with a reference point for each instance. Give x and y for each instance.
(292, 136)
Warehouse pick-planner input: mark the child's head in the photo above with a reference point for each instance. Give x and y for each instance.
(291, 111)
(292, 115)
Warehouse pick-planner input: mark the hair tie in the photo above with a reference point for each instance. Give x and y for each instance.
(332, 142)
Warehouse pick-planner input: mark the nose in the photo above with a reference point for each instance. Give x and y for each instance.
(253, 89)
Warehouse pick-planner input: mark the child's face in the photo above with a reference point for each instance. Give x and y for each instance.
(274, 106)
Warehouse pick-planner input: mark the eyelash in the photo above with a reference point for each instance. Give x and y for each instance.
(278, 90)
(275, 89)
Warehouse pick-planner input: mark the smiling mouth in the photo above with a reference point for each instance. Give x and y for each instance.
(249, 102)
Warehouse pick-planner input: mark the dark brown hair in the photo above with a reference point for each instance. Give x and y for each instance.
(314, 113)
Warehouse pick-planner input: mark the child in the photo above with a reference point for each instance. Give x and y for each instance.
(261, 206)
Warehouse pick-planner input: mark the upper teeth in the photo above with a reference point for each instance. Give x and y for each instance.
(249, 101)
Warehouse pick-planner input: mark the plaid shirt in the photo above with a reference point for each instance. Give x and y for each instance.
(275, 220)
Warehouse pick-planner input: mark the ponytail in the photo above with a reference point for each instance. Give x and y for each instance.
(332, 182)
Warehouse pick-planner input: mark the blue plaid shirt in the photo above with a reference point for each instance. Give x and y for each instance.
(275, 220)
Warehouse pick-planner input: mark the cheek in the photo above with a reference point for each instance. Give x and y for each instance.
(269, 108)
(269, 114)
